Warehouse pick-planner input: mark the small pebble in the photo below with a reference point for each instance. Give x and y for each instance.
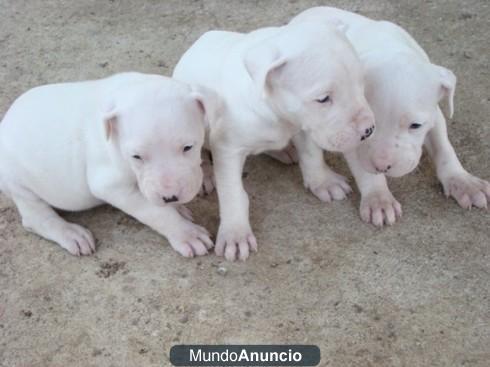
(222, 270)
(97, 352)
(184, 319)
(27, 313)
(465, 16)
(358, 309)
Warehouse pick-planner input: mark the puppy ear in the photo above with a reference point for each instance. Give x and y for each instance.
(110, 123)
(448, 87)
(208, 102)
(261, 63)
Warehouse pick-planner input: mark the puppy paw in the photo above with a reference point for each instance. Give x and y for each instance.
(191, 240)
(76, 239)
(235, 243)
(467, 190)
(288, 155)
(332, 187)
(380, 208)
(208, 185)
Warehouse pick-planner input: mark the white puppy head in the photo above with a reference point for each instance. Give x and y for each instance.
(158, 128)
(310, 75)
(404, 95)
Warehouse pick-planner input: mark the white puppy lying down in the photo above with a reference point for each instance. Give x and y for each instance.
(131, 140)
(404, 90)
(276, 83)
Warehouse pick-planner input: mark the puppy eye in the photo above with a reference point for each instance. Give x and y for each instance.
(324, 99)
(415, 126)
(138, 157)
(187, 148)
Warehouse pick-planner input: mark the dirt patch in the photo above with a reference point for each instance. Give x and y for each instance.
(109, 268)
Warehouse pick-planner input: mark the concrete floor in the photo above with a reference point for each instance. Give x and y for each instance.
(415, 294)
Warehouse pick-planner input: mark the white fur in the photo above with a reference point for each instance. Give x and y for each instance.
(73, 146)
(270, 81)
(402, 87)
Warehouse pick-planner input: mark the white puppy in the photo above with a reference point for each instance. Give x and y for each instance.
(404, 90)
(277, 83)
(131, 140)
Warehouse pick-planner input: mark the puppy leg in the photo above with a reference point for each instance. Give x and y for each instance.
(378, 206)
(324, 183)
(466, 189)
(288, 155)
(40, 218)
(208, 176)
(185, 237)
(235, 238)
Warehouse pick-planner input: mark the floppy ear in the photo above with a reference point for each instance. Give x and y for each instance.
(448, 87)
(261, 63)
(110, 123)
(208, 102)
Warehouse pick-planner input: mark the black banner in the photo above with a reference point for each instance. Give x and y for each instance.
(244, 355)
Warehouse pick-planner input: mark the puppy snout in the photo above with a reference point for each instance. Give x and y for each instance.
(382, 166)
(364, 122)
(170, 199)
(382, 169)
(368, 132)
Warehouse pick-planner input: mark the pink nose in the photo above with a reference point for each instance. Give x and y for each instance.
(382, 164)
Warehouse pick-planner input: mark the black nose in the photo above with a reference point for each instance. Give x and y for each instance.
(368, 133)
(171, 199)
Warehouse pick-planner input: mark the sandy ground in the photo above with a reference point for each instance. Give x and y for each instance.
(415, 294)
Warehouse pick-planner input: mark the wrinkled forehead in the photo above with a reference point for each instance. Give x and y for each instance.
(319, 47)
(415, 81)
(401, 94)
(318, 69)
(171, 120)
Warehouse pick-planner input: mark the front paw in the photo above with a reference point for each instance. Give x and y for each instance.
(467, 190)
(235, 242)
(379, 208)
(330, 187)
(190, 240)
(76, 239)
